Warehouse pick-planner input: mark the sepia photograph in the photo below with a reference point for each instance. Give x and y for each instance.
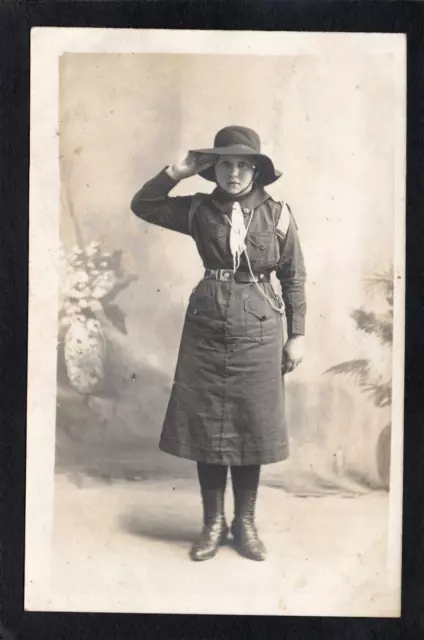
(216, 322)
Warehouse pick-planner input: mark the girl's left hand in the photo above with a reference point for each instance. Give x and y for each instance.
(293, 353)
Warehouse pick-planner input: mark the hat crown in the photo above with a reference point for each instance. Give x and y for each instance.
(235, 135)
(240, 141)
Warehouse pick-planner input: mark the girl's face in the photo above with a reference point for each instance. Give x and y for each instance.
(235, 174)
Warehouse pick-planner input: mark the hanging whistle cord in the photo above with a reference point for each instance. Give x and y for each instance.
(243, 249)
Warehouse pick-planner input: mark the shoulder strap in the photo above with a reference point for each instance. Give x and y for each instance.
(284, 219)
(196, 201)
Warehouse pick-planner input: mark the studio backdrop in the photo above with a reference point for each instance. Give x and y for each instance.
(329, 124)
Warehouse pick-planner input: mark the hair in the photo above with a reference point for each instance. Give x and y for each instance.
(257, 176)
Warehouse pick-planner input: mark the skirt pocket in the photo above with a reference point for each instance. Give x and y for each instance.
(202, 314)
(201, 304)
(256, 313)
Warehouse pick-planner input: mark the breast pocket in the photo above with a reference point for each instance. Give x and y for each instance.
(256, 314)
(262, 249)
(217, 229)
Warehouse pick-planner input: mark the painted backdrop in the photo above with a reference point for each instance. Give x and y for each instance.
(328, 124)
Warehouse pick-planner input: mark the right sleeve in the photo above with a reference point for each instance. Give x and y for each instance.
(291, 273)
(153, 204)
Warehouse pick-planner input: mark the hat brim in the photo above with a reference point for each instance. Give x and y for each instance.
(269, 173)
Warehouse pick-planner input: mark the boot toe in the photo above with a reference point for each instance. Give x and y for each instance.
(252, 549)
(206, 547)
(247, 543)
(256, 552)
(200, 554)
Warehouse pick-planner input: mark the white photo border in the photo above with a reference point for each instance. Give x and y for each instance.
(47, 45)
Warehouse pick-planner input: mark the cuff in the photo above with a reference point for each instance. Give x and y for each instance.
(297, 326)
(165, 173)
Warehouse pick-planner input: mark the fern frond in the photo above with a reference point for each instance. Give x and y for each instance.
(374, 324)
(381, 394)
(358, 369)
(383, 281)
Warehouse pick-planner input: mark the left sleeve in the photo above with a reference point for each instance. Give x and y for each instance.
(291, 273)
(153, 204)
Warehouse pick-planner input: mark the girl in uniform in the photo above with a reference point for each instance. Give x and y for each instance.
(226, 408)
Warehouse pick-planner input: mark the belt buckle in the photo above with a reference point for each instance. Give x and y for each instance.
(224, 274)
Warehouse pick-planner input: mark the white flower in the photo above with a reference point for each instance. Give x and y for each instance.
(79, 294)
(73, 282)
(93, 325)
(103, 283)
(76, 249)
(81, 276)
(99, 292)
(66, 321)
(90, 264)
(103, 264)
(91, 251)
(95, 305)
(72, 309)
(83, 303)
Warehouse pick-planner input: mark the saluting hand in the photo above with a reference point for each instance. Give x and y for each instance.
(191, 164)
(293, 353)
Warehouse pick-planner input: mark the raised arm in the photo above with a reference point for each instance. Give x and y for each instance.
(153, 204)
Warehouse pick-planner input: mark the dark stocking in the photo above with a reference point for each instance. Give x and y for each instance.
(212, 476)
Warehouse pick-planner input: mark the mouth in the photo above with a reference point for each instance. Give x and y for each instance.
(233, 183)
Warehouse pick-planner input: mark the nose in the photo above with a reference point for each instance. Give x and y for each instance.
(234, 171)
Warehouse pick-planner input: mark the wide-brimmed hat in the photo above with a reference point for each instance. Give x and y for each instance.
(240, 141)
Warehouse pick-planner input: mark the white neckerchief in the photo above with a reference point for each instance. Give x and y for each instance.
(237, 235)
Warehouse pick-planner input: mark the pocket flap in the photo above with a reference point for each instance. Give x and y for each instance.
(260, 240)
(257, 308)
(201, 303)
(218, 229)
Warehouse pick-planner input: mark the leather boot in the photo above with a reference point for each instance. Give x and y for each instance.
(243, 527)
(215, 529)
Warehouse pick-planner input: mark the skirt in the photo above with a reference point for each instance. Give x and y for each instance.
(227, 401)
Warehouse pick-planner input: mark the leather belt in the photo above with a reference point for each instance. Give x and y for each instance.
(227, 275)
